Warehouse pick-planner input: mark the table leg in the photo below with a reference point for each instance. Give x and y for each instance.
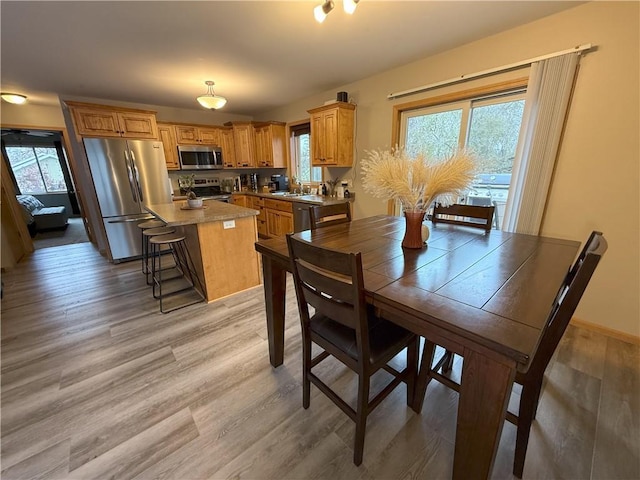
(275, 284)
(484, 397)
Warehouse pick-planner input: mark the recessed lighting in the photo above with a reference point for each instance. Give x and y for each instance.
(14, 98)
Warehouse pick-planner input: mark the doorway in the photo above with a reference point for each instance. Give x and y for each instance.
(38, 165)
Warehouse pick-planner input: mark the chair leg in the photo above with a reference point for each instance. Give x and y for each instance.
(448, 364)
(428, 352)
(361, 417)
(306, 369)
(412, 372)
(528, 402)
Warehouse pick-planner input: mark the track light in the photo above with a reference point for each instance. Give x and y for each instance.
(321, 11)
(350, 6)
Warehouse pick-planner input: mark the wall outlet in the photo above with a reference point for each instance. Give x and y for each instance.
(228, 224)
(350, 183)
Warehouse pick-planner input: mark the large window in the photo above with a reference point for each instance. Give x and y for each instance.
(301, 156)
(36, 170)
(489, 127)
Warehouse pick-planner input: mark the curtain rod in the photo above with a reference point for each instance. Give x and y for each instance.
(504, 68)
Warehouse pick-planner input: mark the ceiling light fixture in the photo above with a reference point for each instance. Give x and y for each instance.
(350, 6)
(14, 98)
(321, 11)
(210, 99)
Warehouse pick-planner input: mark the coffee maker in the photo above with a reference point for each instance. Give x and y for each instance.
(279, 183)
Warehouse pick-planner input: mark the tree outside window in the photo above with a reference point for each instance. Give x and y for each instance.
(37, 170)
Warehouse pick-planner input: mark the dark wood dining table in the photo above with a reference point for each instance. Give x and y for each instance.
(484, 296)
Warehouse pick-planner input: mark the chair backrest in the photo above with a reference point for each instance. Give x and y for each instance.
(332, 282)
(567, 300)
(476, 216)
(327, 215)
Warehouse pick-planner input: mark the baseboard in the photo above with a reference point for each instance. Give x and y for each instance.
(622, 336)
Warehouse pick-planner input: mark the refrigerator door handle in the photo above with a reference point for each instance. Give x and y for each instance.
(136, 177)
(130, 175)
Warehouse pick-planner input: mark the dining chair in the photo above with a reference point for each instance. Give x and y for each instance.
(345, 327)
(563, 307)
(477, 216)
(327, 215)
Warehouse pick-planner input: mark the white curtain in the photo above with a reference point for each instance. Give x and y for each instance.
(548, 94)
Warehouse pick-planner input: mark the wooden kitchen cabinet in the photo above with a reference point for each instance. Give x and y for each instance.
(168, 138)
(91, 120)
(228, 147)
(244, 143)
(270, 142)
(197, 135)
(332, 135)
(279, 217)
(257, 203)
(240, 200)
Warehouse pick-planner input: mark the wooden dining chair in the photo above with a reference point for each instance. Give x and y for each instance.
(327, 215)
(345, 327)
(477, 216)
(564, 306)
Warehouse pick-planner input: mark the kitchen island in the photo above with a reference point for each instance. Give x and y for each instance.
(220, 238)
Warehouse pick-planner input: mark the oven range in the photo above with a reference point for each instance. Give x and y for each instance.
(209, 189)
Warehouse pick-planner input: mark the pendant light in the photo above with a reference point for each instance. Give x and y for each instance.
(210, 99)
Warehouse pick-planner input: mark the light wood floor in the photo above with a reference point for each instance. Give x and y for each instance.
(96, 383)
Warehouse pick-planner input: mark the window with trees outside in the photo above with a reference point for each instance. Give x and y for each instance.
(36, 170)
(301, 156)
(489, 127)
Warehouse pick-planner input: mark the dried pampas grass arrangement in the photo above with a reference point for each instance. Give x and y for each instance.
(416, 182)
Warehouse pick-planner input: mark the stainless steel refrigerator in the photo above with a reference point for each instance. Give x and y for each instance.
(127, 174)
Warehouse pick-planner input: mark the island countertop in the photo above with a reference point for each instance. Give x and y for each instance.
(176, 213)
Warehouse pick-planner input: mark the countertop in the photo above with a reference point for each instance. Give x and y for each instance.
(311, 199)
(213, 211)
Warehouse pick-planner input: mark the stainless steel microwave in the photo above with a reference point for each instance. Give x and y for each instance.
(199, 157)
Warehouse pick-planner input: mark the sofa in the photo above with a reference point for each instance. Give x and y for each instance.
(40, 218)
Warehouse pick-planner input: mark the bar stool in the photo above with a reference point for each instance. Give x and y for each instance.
(144, 243)
(147, 234)
(185, 280)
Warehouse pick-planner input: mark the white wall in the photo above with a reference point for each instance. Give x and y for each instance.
(596, 183)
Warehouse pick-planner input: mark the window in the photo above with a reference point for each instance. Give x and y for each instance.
(489, 127)
(36, 170)
(301, 155)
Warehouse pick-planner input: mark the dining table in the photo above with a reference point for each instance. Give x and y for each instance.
(485, 296)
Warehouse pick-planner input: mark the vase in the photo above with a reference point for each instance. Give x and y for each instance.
(413, 231)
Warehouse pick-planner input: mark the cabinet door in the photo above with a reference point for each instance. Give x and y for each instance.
(264, 151)
(209, 136)
(330, 140)
(186, 134)
(240, 200)
(168, 138)
(273, 222)
(138, 125)
(228, 147)
(91, 122)
(286, 223)
(244, 144)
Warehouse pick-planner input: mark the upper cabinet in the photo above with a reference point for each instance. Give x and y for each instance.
(197, 135)
(270, 145)
(104, 121)
(168, 138)
(332, 135)
(243, 138)
(228, 147)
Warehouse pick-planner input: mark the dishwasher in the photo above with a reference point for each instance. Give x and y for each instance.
(301, 216)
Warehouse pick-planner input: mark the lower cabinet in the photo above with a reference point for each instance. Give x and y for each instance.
(257, 203)
(279, 217)
(240, 200)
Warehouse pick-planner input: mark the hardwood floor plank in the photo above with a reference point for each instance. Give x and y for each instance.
(141, 451)
(97, 383)
(617, 452)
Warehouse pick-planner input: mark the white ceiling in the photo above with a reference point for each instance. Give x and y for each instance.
(261, 54)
